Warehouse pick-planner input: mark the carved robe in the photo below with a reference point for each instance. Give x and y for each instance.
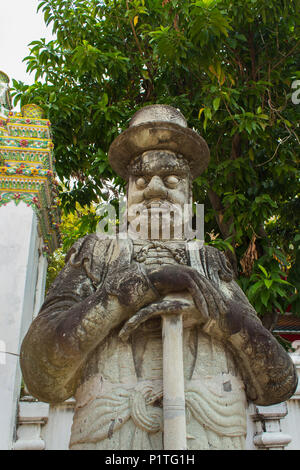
(119, 399)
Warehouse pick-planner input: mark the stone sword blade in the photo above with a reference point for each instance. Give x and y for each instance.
(173, 383)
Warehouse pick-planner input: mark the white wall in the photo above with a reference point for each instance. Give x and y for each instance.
(19, 263)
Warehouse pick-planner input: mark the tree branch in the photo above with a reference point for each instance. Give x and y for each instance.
(252, 54)
(287, 55)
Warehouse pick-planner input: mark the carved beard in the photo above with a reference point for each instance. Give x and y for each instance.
(162, 220)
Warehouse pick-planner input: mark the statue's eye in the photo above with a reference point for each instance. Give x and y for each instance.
(141, 182)
(171, 181)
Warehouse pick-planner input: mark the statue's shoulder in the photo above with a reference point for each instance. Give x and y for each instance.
(93, 254)
(86, 248)
(213, 252)
(85, 261)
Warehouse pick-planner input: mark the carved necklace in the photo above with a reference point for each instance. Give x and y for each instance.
(156, 252)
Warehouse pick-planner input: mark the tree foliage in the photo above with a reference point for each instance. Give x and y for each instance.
(74, 225)
(229, 66)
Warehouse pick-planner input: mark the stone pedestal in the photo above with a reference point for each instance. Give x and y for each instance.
(269, 434)
(32, 416)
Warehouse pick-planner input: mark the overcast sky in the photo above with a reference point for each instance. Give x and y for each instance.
(19, 25)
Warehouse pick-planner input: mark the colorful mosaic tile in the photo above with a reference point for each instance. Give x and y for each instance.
(23, 130)
(32, 111)
(20, 142)
(22, 120)
(27, 173)
(27, 155)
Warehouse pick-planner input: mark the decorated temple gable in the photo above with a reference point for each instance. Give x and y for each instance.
(27, 170)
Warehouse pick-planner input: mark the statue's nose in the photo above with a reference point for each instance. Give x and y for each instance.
(155, 188)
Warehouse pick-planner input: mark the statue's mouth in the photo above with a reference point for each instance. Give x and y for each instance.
(158, 203)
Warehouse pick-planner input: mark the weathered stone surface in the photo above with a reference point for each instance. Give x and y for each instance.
(99, 332)
(158, 128)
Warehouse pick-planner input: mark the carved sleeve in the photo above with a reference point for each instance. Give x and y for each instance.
(78, 313)
(268, 371)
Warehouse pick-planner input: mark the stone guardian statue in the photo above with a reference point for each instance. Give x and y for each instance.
(98, 335)
(5, 99)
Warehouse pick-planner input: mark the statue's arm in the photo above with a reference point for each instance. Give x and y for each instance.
(74, 319)
(268, 371)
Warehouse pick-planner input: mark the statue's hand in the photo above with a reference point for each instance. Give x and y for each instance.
(131, 286)
(208, 300)
(156, 309)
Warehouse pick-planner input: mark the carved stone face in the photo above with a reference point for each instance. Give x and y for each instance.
(159, 185)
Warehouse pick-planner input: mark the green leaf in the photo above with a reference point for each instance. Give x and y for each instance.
(52, 97)
(263, 270)
(265, 295)
(282, 281)
(279, 291)
(277, 304)
(268, 283)
(254, 288)
(216, 104)
(200, 112)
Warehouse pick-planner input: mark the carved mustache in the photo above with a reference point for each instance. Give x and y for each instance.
(161, 203)
(153, 205)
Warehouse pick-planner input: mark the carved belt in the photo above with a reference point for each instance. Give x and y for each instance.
(220, 409)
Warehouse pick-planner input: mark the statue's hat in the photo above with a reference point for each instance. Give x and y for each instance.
(158, 127)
